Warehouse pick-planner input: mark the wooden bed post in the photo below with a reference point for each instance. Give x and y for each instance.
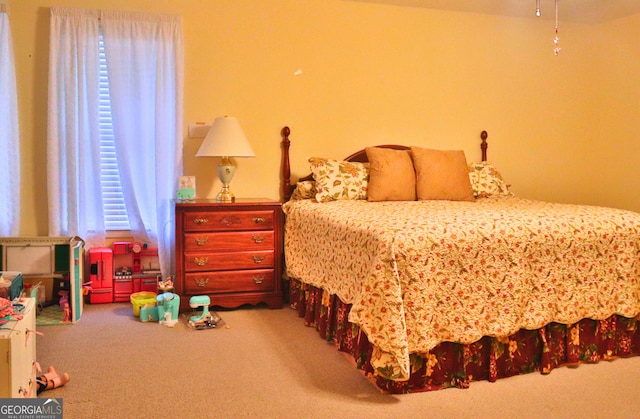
(483, 145)
(286, 167)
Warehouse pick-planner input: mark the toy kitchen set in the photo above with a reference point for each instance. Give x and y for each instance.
(118, 271)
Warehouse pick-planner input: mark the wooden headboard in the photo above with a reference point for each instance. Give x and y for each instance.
(358, 156)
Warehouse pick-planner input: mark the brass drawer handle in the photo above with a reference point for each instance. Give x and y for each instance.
(258, 279)
(201, 261)
(201, 242)
(200, 221)
(201, 282)
(257, 259)
(258, 220)
(257, 239)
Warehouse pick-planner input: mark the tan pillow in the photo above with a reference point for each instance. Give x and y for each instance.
(441, 175)
(391, 175)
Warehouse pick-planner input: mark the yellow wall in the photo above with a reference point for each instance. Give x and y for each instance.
(374, 74)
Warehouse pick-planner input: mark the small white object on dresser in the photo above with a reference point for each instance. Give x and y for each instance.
(18, 353)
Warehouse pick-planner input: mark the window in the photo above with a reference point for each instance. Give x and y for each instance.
(115, 212)
(118, 141)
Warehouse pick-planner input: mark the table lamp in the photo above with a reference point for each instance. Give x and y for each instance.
(225, 139)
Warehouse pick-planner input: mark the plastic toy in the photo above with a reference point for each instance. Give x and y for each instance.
(66, 310)
(166, 285)
(206, 319)
(168, 321)
(168, 308)
(149, 313)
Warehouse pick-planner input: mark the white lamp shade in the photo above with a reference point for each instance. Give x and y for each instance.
(225, 139)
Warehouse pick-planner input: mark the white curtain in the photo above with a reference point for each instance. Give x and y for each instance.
(73, 153)
(9, 134)
(145, 63)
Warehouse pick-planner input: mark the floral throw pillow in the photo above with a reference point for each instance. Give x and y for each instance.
(304, 190)
(486, 180)
(337, 180)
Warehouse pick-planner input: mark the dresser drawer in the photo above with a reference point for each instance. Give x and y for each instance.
(231, 241)
(219, 261)
(228, 220)
(229, 281)
(229, 251)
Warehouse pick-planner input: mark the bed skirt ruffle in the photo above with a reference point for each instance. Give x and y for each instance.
(456, 365)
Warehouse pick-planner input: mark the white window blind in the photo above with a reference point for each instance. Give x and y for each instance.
(115, 212)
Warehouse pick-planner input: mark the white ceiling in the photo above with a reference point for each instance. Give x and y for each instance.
(580, 11)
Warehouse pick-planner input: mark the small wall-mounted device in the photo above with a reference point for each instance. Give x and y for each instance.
(199, 129)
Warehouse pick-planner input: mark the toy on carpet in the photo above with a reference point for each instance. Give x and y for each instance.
(149, 313)
(168, 308)
(64, 305)
(206, 319)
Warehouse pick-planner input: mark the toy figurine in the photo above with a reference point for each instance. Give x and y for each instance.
(206, 319)
(67, 313)
(66, 310)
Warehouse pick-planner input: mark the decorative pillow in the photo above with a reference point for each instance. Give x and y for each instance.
(339, 179)
(441, 175)
(486, 180)
(391, 175)
(304, 190)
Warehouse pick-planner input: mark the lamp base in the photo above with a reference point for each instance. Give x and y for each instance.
(225, 195)
(226, 170)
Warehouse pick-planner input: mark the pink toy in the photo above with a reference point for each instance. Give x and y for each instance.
(66, 310)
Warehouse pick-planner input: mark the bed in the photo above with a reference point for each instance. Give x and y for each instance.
(461, 281)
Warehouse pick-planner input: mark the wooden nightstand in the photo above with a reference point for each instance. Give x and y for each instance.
(231, 252)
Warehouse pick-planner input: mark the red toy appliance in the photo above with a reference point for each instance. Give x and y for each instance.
(101, 275)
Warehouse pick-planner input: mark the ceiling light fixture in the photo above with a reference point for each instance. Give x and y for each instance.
(556, 39)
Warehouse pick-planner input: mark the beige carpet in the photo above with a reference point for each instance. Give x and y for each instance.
(265, 363)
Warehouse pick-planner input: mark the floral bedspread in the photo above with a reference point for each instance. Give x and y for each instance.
(426, 272)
